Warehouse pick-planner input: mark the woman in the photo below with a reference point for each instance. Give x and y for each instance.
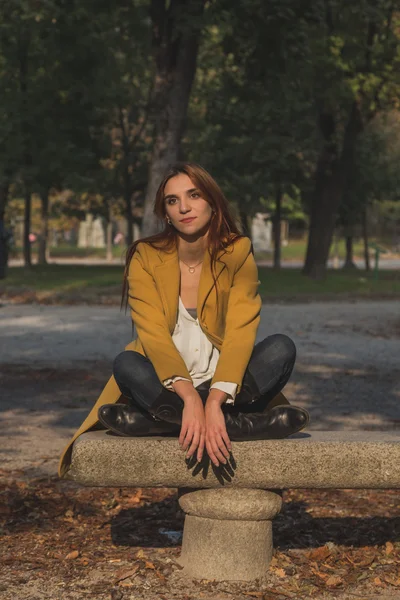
(194, 369)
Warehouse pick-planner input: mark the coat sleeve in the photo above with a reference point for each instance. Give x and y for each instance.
(242, 320)
(151, 323)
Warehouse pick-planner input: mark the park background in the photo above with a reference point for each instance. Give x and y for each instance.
(293, 106)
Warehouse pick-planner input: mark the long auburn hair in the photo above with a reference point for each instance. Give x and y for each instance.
(223, 230)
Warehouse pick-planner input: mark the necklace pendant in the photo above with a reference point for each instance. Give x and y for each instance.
(191, 270)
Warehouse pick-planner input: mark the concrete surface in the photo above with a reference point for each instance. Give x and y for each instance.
(230, 503)
(227, 533)
(226, 550)
(347, 459)
(66, 334)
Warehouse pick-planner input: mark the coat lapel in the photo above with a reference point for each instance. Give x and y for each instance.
(167, 275)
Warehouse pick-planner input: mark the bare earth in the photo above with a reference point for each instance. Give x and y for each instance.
(54, 361)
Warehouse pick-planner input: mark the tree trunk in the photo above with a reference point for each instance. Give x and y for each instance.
(27, 225)
(175, 48)
(24, 43)
(109, 252)
(277, 227)
(331, 177)
(128, 215)
(322, 225)
(335, 258)
(3, 234)
(129, 226)
(246, 230)
(349, 262)
(44, 233)
(365, 238)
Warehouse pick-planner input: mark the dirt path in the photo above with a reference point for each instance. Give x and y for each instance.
(54, 361)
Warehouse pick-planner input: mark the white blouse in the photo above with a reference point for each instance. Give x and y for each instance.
(198, 353)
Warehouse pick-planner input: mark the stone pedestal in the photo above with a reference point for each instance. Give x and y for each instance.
(227, 533)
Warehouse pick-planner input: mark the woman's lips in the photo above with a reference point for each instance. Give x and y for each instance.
(188, 220)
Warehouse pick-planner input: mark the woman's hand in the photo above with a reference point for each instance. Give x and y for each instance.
(218, 443)
(193, 427)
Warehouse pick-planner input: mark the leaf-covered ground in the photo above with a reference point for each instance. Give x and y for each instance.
(61, 541)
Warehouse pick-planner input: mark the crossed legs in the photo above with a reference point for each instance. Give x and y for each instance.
(267, 373)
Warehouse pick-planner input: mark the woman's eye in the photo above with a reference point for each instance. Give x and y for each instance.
(195, 195)
(170, 200)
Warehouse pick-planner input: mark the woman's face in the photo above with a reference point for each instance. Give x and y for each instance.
(183, 200)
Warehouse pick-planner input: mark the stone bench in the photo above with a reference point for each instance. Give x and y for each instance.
(229, 510)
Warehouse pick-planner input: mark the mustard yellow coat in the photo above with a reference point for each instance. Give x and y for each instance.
(154, 284)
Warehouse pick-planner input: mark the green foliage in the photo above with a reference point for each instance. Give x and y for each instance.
(275, 85)
(376, 174)
(69, 78)
(249, 122)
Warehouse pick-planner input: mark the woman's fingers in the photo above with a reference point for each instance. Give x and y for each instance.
(188, 438)
(194, 444)
(218, 447)
(225, 437)
(182, 434)
(216, 452)
(211, 454)
(220, 450)
(200, 450)
(226, 444)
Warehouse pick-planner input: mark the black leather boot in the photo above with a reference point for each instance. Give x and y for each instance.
(277, 423)
(130, 421)
(167, 407)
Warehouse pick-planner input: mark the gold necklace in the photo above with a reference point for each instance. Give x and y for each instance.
(191, 269)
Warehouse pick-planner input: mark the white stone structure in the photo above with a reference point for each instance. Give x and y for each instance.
(261, 233)
(91, 233)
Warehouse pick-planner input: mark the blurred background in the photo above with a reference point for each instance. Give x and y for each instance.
(292, 106)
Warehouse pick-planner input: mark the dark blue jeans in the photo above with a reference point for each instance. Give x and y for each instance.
(269, 368)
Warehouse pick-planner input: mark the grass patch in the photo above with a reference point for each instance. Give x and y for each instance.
(102, 284)
(291, 284)
(63, 277)
(69, 251)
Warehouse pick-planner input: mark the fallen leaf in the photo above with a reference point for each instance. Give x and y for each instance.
(149, 565)
(280, 592)
(139, 554)
(84, 561)
(254, 594)
(125, 573)
(319, 574)
(389, 547)
(395, 582)
(366, 562)
(72, 555)
(319, 553)
(280, 572)
(333, 580)
(377, 581)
